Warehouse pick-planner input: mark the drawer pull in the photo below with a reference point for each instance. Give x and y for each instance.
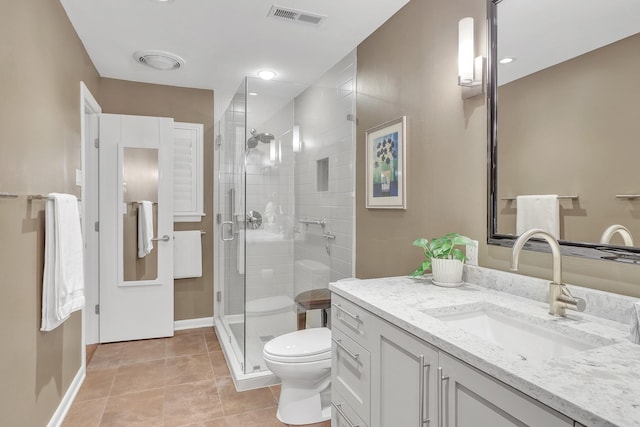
(422, 393)
(440, 395)
(345, 349)
(339, 307)
(338, 408)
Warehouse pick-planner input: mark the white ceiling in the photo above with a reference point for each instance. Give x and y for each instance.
(222, 41)
(543, 33)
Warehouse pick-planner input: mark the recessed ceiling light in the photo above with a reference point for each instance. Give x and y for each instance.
(159, 59)
(266, 74)
(507, 60)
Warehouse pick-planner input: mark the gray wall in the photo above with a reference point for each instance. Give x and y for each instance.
(409, 67)
(43, 62)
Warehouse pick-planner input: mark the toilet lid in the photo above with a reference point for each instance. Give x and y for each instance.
(306, 345)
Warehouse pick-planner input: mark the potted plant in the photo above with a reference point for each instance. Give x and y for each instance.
(443, 258)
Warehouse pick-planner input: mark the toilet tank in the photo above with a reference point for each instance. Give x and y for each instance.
(310, 274)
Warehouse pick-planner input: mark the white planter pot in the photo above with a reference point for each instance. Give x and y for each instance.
(447, 272)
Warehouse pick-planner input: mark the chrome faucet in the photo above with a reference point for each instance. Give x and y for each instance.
(559, 296)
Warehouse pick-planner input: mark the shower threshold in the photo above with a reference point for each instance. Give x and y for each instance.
(230, 348)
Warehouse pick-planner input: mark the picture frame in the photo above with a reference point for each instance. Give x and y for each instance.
(386, 178)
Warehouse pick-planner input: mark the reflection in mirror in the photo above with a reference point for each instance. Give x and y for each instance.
(140, 182)
(564, 110)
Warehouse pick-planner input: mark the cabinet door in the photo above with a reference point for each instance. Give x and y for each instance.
(351, 373)
(403, 379)
(342, 414)
(470, 398)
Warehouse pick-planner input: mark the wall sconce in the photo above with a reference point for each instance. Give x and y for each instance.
(470, 67)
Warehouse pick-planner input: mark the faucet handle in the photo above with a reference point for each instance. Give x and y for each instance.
(573, 303)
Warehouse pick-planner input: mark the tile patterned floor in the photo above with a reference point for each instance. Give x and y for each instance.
(170, 382)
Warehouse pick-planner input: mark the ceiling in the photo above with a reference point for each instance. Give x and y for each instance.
(222, 41)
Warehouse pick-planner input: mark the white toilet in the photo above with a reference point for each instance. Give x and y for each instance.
(302, 360)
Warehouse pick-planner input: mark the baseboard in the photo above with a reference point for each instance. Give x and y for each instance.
(63, 408)
(202, 322)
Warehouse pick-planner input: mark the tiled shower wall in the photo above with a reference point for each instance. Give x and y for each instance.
(285, 179)
(269, 250)
(325, 114)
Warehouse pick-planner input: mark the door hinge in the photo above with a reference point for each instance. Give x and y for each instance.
(96, 142)
(218, 218)
(219, 296)
(97, 309)
(352, 118)
(96, 226)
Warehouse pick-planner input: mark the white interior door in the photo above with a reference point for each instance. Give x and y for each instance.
(136, 163)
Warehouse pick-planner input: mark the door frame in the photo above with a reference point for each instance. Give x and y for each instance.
(89, 198)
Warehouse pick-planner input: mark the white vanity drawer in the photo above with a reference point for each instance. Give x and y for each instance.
(351, 373)
(352, 319)
(342, 414)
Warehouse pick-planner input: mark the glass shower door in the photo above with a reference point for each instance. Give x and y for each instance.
(231, 259)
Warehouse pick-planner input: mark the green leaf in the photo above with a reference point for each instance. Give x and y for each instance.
(418, 272)
(421, 243)
(457, 254)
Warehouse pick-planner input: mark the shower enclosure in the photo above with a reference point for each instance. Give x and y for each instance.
(285, 209)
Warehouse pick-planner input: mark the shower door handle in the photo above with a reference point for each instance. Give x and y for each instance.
(232, 234)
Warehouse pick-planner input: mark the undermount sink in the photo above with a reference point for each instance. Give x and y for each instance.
(516, 333)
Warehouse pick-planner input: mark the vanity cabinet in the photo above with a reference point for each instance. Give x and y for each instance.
(383, 376)
(404, 378)
(471, 398)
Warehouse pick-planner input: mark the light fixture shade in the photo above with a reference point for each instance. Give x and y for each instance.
(465, 51)
(297, 144)
(266, 74)
(159, 60)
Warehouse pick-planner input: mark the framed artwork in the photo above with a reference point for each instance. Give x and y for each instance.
(386, 165)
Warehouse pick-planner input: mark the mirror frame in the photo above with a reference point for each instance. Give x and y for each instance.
(598, 251)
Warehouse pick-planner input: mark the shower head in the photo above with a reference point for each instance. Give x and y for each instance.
(264, 137)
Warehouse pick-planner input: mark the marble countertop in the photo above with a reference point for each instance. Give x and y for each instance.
(596, 387)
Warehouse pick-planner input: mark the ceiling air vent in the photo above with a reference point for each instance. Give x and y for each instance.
(293, 15)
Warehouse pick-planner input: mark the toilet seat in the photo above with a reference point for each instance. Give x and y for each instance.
(307, 345)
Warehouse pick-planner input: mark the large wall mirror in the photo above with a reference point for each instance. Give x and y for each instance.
(564, 119)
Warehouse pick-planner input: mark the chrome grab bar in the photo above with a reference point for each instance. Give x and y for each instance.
(343, 415)
(164, 238)
(321, 222)
(339, 307)
(345, 349)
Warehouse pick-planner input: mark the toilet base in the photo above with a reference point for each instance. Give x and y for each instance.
(298, 406)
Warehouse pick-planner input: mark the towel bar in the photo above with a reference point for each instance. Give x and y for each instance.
(559, 197)
(8, 195)
(41, 197)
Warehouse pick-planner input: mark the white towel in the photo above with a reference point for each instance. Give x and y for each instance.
(240, 252)
(145, 228)
(635, 323)
(538, 211)
(187, 254)
(63, 279)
